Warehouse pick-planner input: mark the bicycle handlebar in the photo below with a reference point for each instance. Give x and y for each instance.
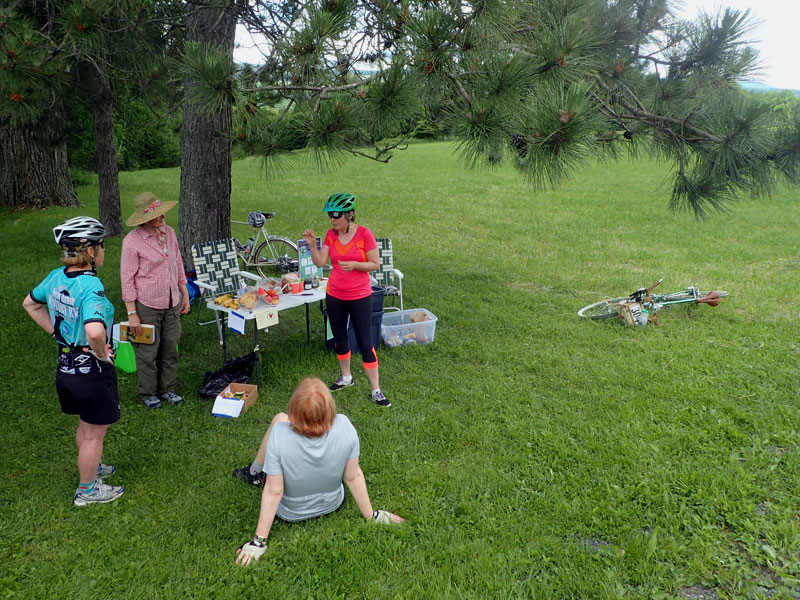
(712, 299)
(652, 287)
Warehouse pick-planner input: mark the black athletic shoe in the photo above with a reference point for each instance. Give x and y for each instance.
(244, 475)
(379, 399)
(341, 383)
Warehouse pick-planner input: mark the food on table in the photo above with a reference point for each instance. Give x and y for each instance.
(248, 299)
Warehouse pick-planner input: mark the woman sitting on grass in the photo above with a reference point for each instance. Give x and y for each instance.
(301, 463)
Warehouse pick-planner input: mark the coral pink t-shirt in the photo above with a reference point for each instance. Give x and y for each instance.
(349, 285)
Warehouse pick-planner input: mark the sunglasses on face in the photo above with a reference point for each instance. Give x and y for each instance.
(336, 215)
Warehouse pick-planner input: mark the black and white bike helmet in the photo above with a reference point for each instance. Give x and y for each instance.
(76, 234)
(256, 219)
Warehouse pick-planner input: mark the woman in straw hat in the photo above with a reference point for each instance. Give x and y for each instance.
(154, 292)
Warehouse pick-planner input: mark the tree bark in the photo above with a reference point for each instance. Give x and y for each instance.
(34, 169)
(102, 101)
(205, 195)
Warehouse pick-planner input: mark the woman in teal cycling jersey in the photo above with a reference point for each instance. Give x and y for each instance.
(71, 305)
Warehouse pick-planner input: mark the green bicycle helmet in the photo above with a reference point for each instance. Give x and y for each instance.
(340, 203)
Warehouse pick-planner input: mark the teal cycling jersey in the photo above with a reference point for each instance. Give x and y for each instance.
(74, 299)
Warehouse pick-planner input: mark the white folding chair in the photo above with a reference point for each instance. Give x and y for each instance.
(389, 278)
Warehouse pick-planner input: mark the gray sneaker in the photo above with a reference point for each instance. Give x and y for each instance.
(152, 402)
(101, 494)
(379, 399)
(172, 398)
(105, 470)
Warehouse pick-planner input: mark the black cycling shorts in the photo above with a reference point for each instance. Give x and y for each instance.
(93, 396)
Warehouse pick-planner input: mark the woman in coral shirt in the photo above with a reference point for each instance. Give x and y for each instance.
(353, 253)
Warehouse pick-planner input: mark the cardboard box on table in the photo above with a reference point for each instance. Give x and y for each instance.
(233, 407)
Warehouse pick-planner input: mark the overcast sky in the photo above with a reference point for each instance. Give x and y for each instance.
(777, 37)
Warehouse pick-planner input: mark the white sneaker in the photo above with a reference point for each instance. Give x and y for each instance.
(101, 494)
(105, 470)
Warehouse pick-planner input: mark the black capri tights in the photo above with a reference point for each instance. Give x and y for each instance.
(360, 313)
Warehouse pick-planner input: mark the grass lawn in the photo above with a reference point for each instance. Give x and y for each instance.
(533, 454)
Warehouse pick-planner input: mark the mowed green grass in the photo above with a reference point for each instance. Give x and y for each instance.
(533, 454)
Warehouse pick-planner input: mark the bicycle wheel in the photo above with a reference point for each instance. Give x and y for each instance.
(604, 309)
(276, 256)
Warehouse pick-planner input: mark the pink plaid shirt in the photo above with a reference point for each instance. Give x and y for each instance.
(151, 268)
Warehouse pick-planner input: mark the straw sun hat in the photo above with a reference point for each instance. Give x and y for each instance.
(147, 207)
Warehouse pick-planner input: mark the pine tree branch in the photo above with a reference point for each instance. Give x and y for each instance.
(461, 89)
(375, 158)
(283, 113)
(312, 88)
(662, 121)
(382, 151)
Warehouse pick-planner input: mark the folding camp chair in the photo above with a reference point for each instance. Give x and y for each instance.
(217, 273)
(389, 278)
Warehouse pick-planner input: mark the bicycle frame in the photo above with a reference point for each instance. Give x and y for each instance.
(245, 256)
(268, 255)
(690, 295)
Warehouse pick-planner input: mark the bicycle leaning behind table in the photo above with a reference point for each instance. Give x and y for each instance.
(269, 255)
(643, 306)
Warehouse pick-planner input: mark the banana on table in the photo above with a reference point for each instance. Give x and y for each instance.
(227, 301)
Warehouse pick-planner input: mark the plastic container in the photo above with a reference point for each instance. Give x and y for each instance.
(377, 299)
(399, 330)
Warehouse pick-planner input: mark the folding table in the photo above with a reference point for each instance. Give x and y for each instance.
(261, 309)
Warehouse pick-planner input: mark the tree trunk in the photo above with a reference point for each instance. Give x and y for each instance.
(205, 196)
(102, 100)
(34, 169)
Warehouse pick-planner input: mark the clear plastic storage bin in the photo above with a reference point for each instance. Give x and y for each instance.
(408, 327)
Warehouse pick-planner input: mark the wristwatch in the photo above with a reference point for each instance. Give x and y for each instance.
(131, 312)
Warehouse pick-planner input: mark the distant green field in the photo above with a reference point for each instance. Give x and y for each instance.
(533, 454)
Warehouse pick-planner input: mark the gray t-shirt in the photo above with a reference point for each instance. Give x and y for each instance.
(312, 468)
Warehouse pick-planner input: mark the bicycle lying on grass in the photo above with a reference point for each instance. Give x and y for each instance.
(643, 306)
(270, 255)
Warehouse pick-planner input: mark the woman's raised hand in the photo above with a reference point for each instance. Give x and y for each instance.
(308, 235)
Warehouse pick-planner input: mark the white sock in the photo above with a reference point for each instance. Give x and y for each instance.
(255, 469)
(347, 378)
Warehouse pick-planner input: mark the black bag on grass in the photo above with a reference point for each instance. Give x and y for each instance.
(236, 370)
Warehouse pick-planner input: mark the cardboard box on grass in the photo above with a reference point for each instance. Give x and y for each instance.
(233, 407)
